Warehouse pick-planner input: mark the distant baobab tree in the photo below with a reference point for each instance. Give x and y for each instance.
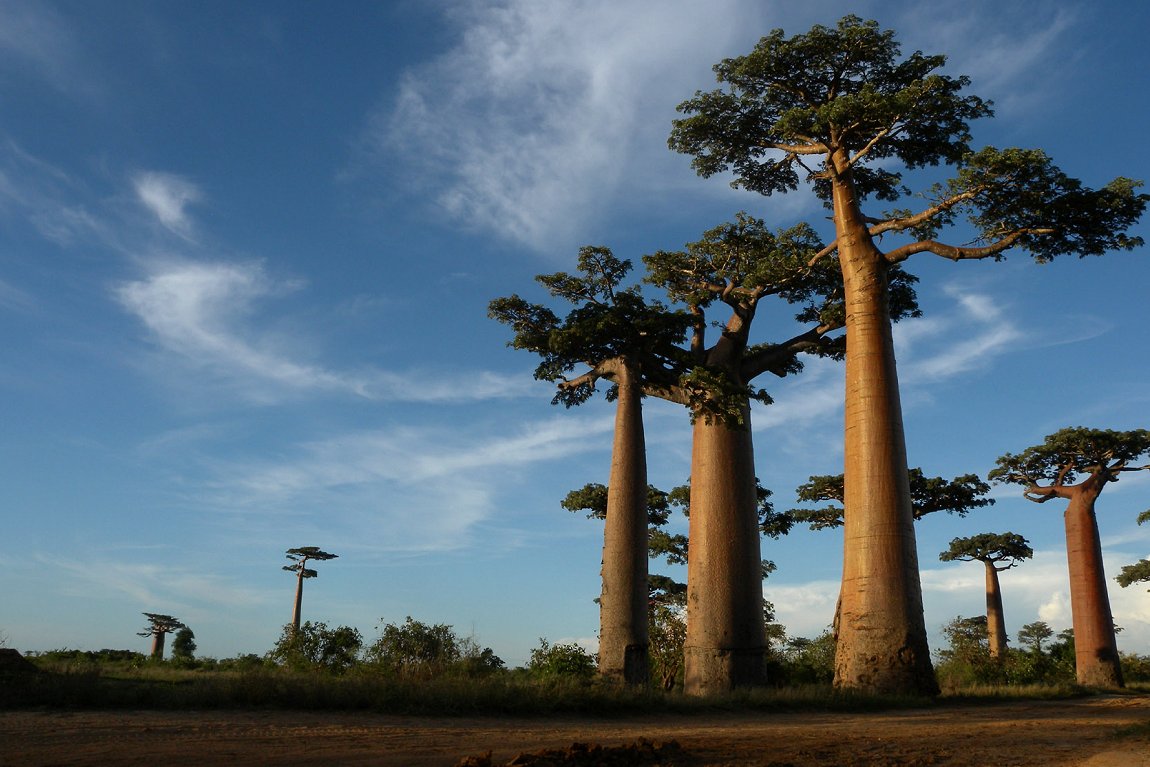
(1075, 465)
(998, 552)
(299, 558)
(158, 627)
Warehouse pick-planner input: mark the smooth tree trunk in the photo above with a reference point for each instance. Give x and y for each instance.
(995, 626)
(1095, 648)
(623, 630)
(726, 642)
(882, 644)
(298, 600)
(158, 645)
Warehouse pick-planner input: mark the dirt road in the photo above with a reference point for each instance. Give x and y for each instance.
(1086, 733)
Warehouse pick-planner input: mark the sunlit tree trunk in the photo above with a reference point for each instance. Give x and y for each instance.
(1095, 648)
(995, 625)
(298, 600)
(725, 635)
(882, 643)
(623, 631)
(158, 645)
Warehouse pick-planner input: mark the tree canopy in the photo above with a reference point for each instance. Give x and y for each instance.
(159, 623)
(1002, 550)
(300, 557)
(1051, 469)
(833, 101)
(608, 321)
(928, 494)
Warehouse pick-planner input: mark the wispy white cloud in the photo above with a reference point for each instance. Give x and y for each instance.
(413, 488)
(1010, 62)
(13, 298)
(148, 583)
(972, 340)
(167, 197)
(41, 194)
(35, 38)
(197, 312)
(533, 122)
(207, 315)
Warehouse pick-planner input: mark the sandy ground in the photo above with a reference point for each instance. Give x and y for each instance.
(1015, 734)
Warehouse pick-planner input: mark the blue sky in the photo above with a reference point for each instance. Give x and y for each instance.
(246, 251)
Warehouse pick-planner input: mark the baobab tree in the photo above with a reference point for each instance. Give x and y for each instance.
(997, 552)
(159, 625)
(735, 265)
(733, 268)
(1138, 572)
(299, 558)
(843, 108)
(618, 336)
(667, 597)
(1075, 465)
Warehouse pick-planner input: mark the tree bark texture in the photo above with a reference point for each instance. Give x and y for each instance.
(726, 641)
(298, 599)
(158, 645)
(1095, 648)
(995, 625)
(882, 643)
(623, 631)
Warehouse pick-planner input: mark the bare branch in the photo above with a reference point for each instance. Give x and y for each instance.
(955, 253)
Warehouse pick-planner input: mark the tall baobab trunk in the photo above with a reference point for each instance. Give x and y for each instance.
(995, 625)
(725, 635)
(298, 600)
(1095, 649)
(882, 643)
(623, 631)
(158, 645)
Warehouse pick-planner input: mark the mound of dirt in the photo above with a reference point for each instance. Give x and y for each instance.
(641, 752)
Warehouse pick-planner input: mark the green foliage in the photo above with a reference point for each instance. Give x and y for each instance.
(1003, 550)
(830, 87)
(806, 661)
(609, 322)
(1032, 635)
(300, 557)
(1071, 453)
(794, 104)
(667, 632)
(315, 647)
(561, 660)
(927, 494)
(158, 623)
(1135, 667)
(965, 663)
(1019, 190)
(1139, 572)
(592, 498)
(421, 651)
(184, 645)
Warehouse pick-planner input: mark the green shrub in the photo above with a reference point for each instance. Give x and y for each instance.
(316, 647)
(420, 650)
(803, 661)
(561, 660)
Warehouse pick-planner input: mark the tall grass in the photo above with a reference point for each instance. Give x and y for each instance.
(516, 692)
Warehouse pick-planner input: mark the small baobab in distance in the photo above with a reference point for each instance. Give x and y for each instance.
(299, 558)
